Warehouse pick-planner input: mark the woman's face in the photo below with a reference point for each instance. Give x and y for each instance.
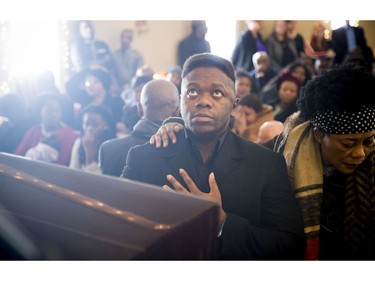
(243, 86)
(250, 114)
(94, 86)
(346, 152)
(93, 124)
(288, 92)
(299, 73)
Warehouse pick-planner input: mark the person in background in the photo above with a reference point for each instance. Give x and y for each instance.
(293, 35)
(258, 216)
(351, 40)
(97, 127)
(268, 130)
(281, 49)
(174, 75)
(86, 49)
(299, 70)
(321, 65)
(195, 43)
(329, 148)
(50, 140)
(248, 43)
(98, 84)
(243, 85)
(249, 115)
(45, 82)
(319, 46)
(263, 71)
(288, 89)
(159, 100)
(130, 113)
(127, 59)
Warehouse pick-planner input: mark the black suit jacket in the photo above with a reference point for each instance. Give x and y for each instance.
(112, 153)
(242, 55)
(263, 220)
(340, 45)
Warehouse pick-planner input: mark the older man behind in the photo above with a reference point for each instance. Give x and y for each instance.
(159, 100)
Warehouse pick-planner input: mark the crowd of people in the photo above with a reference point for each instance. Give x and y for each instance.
(281, 135)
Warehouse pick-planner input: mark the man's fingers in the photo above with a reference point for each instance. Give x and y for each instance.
(156, 140)
(213, 184)
(189, 182)
(171, 129)
(152, 140)
(163, 133)
(166, 187)
(177, 186)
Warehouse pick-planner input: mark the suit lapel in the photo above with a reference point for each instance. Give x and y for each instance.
(179, 157)
(228, 159)
(226, 162)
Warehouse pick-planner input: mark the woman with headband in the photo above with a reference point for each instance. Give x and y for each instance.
(330, 158)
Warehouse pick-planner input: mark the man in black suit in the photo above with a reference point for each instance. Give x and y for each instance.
(258, 215)
(159, 100)
(195, 43)
(351, 41)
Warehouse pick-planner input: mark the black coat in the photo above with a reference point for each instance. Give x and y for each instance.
(263, 220)
(112, 153)
(242, 55)
(340, 45)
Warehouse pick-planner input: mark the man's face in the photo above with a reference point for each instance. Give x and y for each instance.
(126, 38)
(207, 100)
(85, 30)
(263, 64)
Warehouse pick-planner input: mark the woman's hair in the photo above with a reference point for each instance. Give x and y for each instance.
(342, 88)
(325, 45)
(104, 112)
(103, 76)
(252, 101)
(241, 73)
(307, 71)
(288, 77)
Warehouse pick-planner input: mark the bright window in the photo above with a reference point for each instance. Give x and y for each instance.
(221, 35)
(33, 47)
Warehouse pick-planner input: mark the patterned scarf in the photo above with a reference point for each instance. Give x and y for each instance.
(302, 154)
(303, 157)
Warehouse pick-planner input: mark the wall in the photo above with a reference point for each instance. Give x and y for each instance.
(157, 41)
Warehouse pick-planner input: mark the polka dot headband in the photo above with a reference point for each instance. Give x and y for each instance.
(343, 123)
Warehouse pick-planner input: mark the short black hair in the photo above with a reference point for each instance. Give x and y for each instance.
(342, 88)
(101, 110)
(240, 73)
(208, 60)
(252, 101)
(104, 77)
